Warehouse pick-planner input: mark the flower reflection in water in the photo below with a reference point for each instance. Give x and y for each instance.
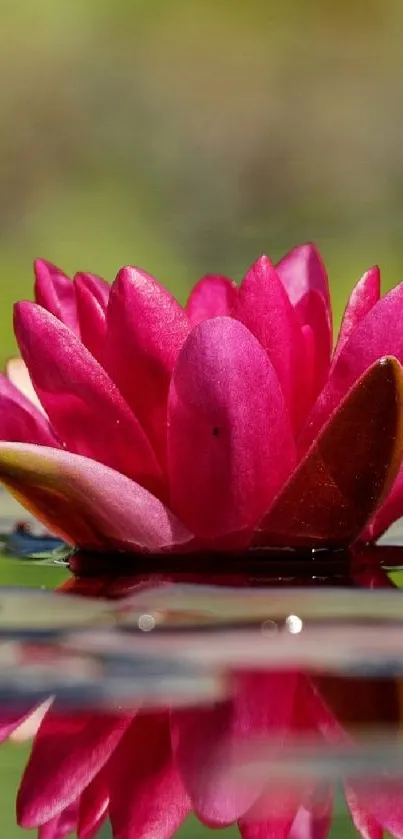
(279, 728)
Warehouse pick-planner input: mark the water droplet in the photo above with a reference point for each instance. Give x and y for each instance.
(146, 623)
(294, 624)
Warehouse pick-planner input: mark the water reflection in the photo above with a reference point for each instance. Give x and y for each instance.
(277, 673)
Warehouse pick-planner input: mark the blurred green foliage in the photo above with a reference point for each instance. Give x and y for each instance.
(190, 137)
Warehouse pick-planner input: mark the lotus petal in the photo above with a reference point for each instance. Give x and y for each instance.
(312, 312)
(84, 406)
(147, 796)
(91, 315)
(17, 373)
(98, 287)
(69, 750)
(263, 306)
(146, 328)
(302, 269)
(205, 743)
(364, 296)
(93, 806)
(87, 503)
(230, 443)
(378, 334)
(212, 296)
(349, 469)
(20, 419)
(61, 826)
(54, 291)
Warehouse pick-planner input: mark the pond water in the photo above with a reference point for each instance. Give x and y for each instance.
(170, 632)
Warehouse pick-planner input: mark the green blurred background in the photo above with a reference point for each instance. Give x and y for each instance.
(186, 137)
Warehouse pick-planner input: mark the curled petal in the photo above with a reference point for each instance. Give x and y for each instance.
(54, 291)
(147, 796)
(378, 334)
(230, 443)
(87, 503)
(145, 329)
(263, 306)
(301, 270)
(212, 296)
(20, 420)
(348, 470)
(363, 298)
(91, 315)
(84, 406)
(67, 754)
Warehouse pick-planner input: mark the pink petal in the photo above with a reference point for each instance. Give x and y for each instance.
(87, 503)
(303, 269)
(213, 295)
(378, 334)
(98, 287)
(206, 740)
(367, 826)
(146, 328)
(91, 315)
(314, 820)
(312, 311)
(11, 720)
(377, 807)
(147, 797)
(280, 806)
(93, 806)
(263, 306)
(389, 512)
(54, 291)
(20, 420)
(84, 406)
(363, 298)
(348, 470)
(61, 826)
(230, 443)
(17, 374)
(68, 752)
(269, 829)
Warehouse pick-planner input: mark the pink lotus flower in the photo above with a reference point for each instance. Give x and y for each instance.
(229, 422)
(137, 425)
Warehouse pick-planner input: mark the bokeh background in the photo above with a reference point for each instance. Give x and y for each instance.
(188, 136)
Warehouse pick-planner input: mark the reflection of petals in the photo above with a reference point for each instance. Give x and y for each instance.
(68, 754)
(30, 725)
(147, 796)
